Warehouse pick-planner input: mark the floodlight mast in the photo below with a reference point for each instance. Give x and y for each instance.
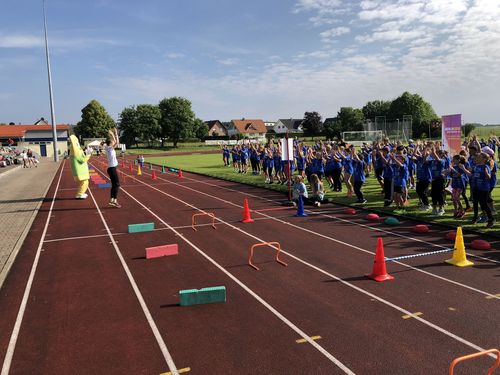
(52, 111)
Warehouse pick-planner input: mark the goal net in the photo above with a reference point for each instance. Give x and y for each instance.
(359, 137)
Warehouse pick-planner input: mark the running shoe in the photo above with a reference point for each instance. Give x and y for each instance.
(482, 219)
(440, 212)
(490, 224)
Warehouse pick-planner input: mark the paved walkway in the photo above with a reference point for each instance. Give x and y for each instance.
(22, 191)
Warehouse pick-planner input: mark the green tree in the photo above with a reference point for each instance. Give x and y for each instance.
(468, 128)
(128, 127)
(148, 122)
(95, 121)
(177, 119)
(332, 128)
(312, 123)
(422, 113)
(376, 108)
(351, 119)
(200, 129)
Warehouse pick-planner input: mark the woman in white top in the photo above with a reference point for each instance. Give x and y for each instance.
(111, 143)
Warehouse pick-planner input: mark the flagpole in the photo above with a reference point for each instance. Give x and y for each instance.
(52, 111)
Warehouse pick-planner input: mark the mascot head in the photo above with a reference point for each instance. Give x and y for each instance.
(74, 147)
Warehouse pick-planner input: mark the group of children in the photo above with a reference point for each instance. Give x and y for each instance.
(397, 168)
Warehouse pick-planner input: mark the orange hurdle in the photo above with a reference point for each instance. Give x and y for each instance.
(272, 244)
(475, 355)
(203, 214)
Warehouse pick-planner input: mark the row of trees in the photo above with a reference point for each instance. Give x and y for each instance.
(352, 119)
(172, 119)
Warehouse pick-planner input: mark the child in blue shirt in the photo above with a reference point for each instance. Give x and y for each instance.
(358, 175)
(480, 185)
(458, 183)
(400, 178)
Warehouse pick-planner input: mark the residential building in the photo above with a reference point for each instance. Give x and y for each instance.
(291, 125)
(37, 138)
(255, 129)
(215, 128)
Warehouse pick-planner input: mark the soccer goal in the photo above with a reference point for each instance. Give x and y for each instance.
(359, 137)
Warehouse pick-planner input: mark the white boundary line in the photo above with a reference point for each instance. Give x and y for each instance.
(149, 317)
(380, 299)
(248, 290)
(22, 308)
(334, 217)
(491, 295)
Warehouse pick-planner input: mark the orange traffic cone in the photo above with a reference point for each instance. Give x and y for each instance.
(153, 175)
(379, 272)
(180, 174)
(246, 212)
(130, 168)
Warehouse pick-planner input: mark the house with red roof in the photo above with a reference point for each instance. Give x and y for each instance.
(38, 138)
(252, 129)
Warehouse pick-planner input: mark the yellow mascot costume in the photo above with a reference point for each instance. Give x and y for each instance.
(79, 167)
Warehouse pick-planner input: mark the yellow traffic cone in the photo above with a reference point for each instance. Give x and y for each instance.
(139, 173)
(459, 258)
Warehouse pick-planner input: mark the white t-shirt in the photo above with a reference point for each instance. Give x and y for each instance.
(111, 155)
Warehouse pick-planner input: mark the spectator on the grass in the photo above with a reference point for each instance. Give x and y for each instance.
(299, 189)
(318, 190)
(493, 180)
(458, 183)
(480, 185)
(438, 181)
(400, 171)
(388, 174)
(348, 170)
(358, 175)
(424, 176)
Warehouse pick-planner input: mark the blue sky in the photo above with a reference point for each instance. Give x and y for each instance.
(253, 59)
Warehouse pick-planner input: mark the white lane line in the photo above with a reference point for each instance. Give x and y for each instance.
(340, 219)
(149, 317)
(22, 308)
(380, 299)
(493, 296)
(248, 290)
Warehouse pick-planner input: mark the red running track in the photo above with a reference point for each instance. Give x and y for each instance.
(83, 316)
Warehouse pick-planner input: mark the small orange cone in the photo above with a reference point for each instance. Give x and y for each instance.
(379, 272)
(130, 168)
(180, 174)
(246, 212)
(123, 164)
(153, 175)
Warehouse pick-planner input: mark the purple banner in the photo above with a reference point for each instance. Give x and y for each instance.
(452, 133)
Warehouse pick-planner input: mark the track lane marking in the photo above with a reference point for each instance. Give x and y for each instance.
(22, 308)
(492, 296)
(380, 299)
(159, 339)
(331, 217)
(250, 291)
(302, 341)
(408, 316)
(180, 371)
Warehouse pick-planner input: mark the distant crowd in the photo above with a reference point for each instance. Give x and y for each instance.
(470, 176)
(10, 156)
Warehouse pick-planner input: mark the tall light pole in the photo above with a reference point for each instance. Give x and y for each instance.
(52, 111)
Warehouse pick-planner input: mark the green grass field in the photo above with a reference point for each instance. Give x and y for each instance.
(181, 147)
(486, 131)
(211, 165)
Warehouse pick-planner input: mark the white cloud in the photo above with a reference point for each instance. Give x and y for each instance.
(175, 55)
(20, 41)
(228, 61)
(330, 34)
